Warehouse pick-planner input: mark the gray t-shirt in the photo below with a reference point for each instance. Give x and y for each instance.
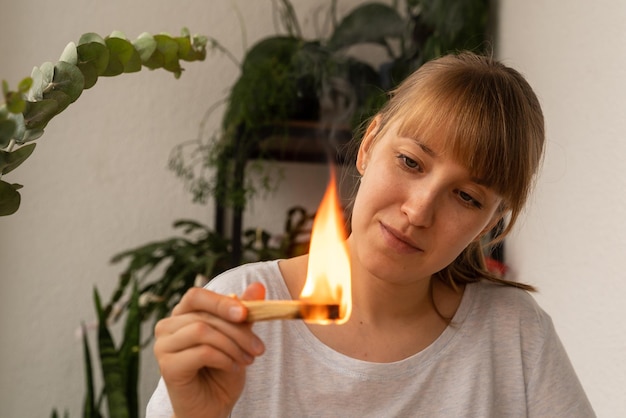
(500, 358)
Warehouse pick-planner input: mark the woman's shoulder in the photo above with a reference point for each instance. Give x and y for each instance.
(510, 307)
(238, 278)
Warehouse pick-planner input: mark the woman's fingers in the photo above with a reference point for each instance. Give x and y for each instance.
(198, 299)
(185, 331)
(214, 323)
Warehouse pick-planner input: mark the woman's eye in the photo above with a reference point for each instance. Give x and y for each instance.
(469, 200)
(409, 162)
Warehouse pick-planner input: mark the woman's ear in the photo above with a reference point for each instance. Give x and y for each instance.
(366, 145)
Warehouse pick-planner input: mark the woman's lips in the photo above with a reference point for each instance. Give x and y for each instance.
(397, 241)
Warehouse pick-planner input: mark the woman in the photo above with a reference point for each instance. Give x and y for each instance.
(432, 332)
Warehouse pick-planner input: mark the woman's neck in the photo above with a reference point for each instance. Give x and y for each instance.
(389, 321)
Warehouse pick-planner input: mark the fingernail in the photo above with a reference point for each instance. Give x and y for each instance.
(236, 313)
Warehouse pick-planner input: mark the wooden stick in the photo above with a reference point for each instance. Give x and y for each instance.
(265, 310)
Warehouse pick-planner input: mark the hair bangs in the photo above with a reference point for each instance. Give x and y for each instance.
(468, 125)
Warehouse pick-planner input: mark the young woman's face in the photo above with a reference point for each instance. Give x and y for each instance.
(416, 208)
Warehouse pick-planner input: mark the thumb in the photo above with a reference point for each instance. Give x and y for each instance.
(255, 291)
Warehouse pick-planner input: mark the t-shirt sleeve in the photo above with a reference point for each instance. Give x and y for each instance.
(159, 405)
(553, 388)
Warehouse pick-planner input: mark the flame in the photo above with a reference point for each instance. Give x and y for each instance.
(328, 272)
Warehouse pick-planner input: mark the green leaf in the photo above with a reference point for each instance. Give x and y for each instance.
(90, 408)
(112, 372)
(47, 71)
(70, 54)
(93, 57)
(38, 114)
(191, 48)
(165, 56)
(117, 34)
(14, 101)
(129, 353)
(123, 58)
(9, 198)
(92, 48)
(31, 135)
(25, 85)
(36, 90)
(10, 160)
(7, 129)
(20, 129)
(370, 22)
(90, 75)
(67, 79)
(145, 46)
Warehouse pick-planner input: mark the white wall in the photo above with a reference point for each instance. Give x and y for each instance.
(573, 243)
(97, 182)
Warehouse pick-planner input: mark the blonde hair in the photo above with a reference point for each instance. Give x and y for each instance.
(491, 121)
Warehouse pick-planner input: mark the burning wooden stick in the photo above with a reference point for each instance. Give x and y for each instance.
(265, 310)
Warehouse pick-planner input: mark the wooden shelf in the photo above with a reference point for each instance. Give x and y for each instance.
(304, 141)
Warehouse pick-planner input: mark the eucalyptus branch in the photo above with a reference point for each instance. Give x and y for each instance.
(52, 87)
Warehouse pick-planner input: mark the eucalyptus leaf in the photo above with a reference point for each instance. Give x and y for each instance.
(36, 90)
(20, 129)
(14, 102)
(115, 66)
(9, 199)
(70, 54)
(7, 130)
(38, 114)
(191, 48)
(90, 37)
(123, 58)
(372, 22)
(184, 47)
(62, 100)
(32, 134)
(118, 34)
(93, 54)
(10, 160)
(165, 56)
(25, 85)
(47, 72)
(90, 74)
(145, 46)
(68, 79)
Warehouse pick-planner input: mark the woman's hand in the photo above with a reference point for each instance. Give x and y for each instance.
(203, 349)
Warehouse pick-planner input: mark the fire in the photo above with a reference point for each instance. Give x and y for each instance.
(328, 272)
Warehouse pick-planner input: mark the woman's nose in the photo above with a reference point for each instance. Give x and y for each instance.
(420, 208)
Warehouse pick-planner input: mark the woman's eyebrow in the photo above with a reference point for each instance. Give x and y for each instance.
(429, 151)
(425, 147)
(479, 181)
